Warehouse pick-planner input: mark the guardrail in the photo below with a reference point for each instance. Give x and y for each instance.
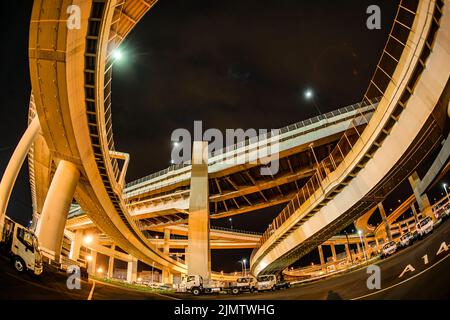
(247, 142)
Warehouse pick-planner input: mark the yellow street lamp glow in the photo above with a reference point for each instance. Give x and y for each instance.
(88, 239)
(89, 258)
(139, 279)
(99, 270)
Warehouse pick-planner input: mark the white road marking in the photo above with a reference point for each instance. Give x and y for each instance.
(92, 290)
(400, 283)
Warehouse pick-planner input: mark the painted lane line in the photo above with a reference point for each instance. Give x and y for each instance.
(92, 290)
(402, 282)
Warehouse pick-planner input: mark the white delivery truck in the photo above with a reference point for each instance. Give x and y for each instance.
(267, 282)
(21, 245)
(195, 285)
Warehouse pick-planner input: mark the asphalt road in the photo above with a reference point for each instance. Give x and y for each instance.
(428, 278)
(51, 285)
(427, 281)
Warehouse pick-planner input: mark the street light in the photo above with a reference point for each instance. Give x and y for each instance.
(445, 188)
(117, 54)
(88, 239)
(99, 270)
(245, 267)
(309, 95)
(89, 258)
(362, 244)
(153, 266)
(231, 222)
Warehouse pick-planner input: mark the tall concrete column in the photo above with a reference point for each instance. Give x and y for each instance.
(358, 247)
(50, 228)
(347, 251)
(166, 248)
(333, 252)
(13, 168)
(414, 211)
(422, 200)
(167, 276)
(199, 253)
(322, 259)
(93, 263)
(387, 228)
(132, 270)
(75, 245)
(377, 244)
(111, 263)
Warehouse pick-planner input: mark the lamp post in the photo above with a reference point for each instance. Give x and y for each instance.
(348, 244)
(153, 266)
(362, 244)
(245, 267)
(445, 188)
(231, 222)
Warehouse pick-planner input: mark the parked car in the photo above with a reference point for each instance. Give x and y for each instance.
(389, 249)
(424, 226)
(406, 240)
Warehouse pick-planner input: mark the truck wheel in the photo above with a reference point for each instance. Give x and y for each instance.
(196, 292)
(235, 291)
(19, 264)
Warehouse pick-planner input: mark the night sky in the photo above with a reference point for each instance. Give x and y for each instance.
(230, 63)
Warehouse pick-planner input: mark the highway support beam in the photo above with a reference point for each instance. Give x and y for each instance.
(92, 264)
(14, 165)
(75, 245)
(322, 259)
(199, 253)
(111, 263)
(387, 228)
(422, 199)
(333, 252)
(167, 276)
(132, 270)
(50, 228)
(166, 248)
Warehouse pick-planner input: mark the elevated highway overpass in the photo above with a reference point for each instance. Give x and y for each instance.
(410, 122)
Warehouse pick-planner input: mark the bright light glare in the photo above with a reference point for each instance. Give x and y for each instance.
(309, 94)
(117, 54)
(99, 270)
(89, 258)
(359, 232)
(88, 239)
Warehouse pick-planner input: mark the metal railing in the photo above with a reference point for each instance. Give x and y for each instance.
(290, 128)
(384, 72)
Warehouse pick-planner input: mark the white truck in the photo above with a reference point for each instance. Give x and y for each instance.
(267, 282)
(21, 245)
(195, 285)
(244, 284)
(424, 227)
(389, 249)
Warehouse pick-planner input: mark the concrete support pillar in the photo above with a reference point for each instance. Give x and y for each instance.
(92, 265)
(366, 246)
(422, 200)
(132, 270)
(387, 228)
(414, 211)
(400, 227)
(377, 244)
(322, 259)
(358, 247)
(333, 252)
(13, 168)
(166, 248)
(75, 245)
(167, 276)
(347, 252)
(50, 228)
(199, 253)
(111, 263)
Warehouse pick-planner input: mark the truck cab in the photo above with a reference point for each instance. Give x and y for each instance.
(424, 227)
(196, 285)
(22, 246)
(242, 284)
(267, 282)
